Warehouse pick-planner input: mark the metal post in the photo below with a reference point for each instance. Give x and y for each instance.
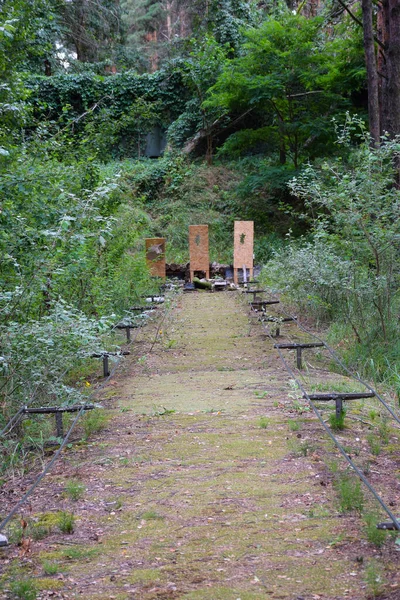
(59, 425)
(339, 408)
(106, 372)
(298, 352)
(278, 332)
(128, 334)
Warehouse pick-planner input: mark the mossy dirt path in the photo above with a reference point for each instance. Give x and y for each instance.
(192, 492)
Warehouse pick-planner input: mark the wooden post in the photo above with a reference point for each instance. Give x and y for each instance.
(198, 249)
(298, 355)
(155, 256)
(243, 248)
(59, 425)
(106, 371)
(339, 408)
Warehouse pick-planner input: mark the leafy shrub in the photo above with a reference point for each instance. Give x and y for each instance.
(346, 270)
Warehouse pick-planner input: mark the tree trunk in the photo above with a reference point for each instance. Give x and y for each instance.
(393, 62)
(209, 150)
(372, 75)
(383, 37)
(169, 21)
(282, 145)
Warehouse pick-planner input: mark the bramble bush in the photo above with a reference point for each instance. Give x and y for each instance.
(72, 262)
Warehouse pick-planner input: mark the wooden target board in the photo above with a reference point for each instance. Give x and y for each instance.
(155, 256)
(198, 249)
(243, 247)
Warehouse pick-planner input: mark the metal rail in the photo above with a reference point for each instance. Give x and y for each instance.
(346, 369)
(14, 420)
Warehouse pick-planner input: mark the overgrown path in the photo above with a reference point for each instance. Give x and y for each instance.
(193, 491)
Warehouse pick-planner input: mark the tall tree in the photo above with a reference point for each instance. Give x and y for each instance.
(92, 28)
(393, 67)
(386, 68)
(372, 75)
(289, 87)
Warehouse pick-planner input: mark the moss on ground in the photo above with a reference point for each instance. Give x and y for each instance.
(211, 505)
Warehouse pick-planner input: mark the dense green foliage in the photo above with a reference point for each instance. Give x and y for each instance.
(286, 76)
(347, 269)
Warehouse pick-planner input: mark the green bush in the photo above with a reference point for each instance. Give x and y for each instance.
(346, 270)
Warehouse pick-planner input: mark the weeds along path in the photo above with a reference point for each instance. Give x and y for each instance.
(195, 489)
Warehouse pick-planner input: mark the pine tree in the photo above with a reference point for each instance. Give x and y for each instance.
(91, 28)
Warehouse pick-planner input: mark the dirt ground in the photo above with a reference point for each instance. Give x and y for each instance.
(211, 479)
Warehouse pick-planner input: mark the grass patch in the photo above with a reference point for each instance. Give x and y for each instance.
(374, 444)
(23, 590)
(151, 515)
(36, 531)
(383, 430)
(94, 421)
(303, 448)
(78, 553)
(47, 584)
(374, 536)
(349, 492)
(263, 394)
(337, 422)
(264, 422)
(66, 522)
(50, 568)
(373, 413)
(74, 489)
(374, 579)
(293, 425)
(337, 386)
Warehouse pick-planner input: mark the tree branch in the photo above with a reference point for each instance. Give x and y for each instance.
(304, 94)
(357, 20)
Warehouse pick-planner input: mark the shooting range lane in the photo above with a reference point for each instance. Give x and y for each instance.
(210, 503)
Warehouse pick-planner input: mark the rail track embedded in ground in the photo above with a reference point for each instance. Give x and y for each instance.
(260, 307)
(79, 409)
